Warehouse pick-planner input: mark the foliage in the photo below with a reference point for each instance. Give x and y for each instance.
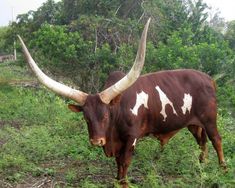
(3, 41)
(55, 41)
(179, 51)
(230, 34)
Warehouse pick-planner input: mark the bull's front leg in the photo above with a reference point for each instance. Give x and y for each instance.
(123, 161)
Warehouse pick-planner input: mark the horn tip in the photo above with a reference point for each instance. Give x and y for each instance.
(148, 22)
(21, 40)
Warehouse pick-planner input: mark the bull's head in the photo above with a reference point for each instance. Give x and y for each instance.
(94, 107)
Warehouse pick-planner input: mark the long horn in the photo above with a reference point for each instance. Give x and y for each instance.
(110, 93)
(61, 89)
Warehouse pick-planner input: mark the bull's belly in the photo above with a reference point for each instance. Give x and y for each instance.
(166, 130)
(164, 137)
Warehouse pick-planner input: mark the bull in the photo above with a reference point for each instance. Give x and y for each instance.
(132, 106)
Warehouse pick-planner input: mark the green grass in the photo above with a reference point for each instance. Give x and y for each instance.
(40, 137)
(13, 71)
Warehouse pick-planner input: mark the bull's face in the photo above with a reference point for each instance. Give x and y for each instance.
(97, 116)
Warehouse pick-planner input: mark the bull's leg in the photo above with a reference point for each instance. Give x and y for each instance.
(208, 119)
(215, 138)
(124, 160)
(201, 138)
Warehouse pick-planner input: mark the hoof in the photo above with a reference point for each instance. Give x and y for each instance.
(202, 158)
(224, 166)
(123, 183)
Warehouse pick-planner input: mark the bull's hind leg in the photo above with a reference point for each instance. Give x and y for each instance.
(208, 118)
(216, 140)
(201, 138)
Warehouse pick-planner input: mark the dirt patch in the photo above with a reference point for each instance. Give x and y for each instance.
(103, 175)
(20, 83)
(95, 171)
(31, 182)
(13, 123)
(25, 83)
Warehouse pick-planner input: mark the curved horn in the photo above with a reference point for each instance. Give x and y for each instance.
(110, 93)
(61, 89)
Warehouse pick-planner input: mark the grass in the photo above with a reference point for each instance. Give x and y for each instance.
(43, 143)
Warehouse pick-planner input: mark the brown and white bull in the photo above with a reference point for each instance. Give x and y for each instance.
(132, 106)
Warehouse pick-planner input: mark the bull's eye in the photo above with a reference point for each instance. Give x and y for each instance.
(104, 120)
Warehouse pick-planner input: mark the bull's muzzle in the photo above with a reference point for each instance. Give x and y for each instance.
(98, 141)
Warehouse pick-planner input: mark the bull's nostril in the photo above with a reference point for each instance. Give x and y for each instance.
(103, 141)
(98, 142)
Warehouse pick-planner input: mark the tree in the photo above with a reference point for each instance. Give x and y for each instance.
(3, 48)
(217, 23)
(230, 34)
(49, 12)
(168, 16)
(74, 9)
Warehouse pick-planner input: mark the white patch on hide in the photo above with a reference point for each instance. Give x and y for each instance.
(187, 103)
(164, 100)
(141, 98)
(134, 143)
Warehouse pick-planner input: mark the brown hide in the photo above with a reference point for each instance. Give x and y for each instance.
(175, 84)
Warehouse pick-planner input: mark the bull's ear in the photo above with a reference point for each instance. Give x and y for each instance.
(75, 108)
(116, 100)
